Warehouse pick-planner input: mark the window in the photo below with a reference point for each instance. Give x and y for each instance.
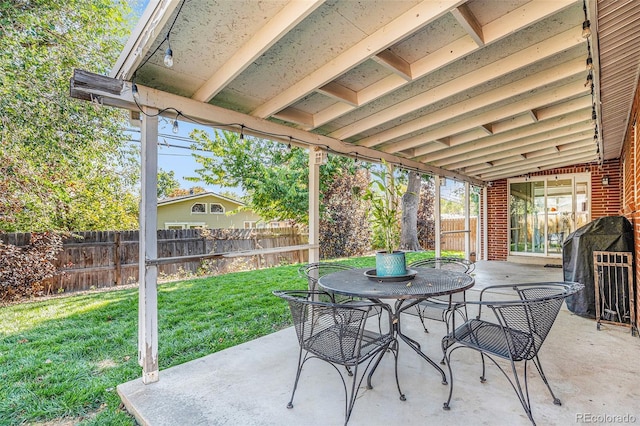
(198, 208)
(544, 210)
(249, 224)
(216, 208)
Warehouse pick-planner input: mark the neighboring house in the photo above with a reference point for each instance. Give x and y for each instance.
(208, 210)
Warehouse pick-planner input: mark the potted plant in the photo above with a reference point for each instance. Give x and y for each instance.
(384, 194)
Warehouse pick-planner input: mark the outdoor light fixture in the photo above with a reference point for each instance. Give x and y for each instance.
(589, 80)
(175, 125)
(605, 180)
(589, 63)
(134, 91)
(586, 29)
(168, 58)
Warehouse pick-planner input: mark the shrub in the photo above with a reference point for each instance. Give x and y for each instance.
(23, 269)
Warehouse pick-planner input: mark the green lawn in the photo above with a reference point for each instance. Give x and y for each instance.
(61, 359)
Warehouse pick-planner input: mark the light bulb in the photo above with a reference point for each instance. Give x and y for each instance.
(586, 29)
(175, 126)
(589, 63)
(168, 58)
(134, 91)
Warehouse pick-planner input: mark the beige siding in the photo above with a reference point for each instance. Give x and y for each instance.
(180, 212)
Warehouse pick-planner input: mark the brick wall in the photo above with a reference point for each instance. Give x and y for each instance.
(605, 201)
(631, 195)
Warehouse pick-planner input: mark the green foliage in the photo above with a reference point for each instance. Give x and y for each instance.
(385, 194)
(62, 160)
(273, 176)
(167, 183)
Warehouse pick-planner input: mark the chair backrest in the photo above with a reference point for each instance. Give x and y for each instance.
(330, 331)
(448, 263)
(527, 322)
(313, 271)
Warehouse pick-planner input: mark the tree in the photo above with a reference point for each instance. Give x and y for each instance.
(179, 192)
(410, 204)
(167, 183)
(62, 160)
(274, 177)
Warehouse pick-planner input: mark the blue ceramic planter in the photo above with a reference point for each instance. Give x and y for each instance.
(390, 264)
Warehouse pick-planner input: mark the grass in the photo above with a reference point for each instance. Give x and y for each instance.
(61, 359)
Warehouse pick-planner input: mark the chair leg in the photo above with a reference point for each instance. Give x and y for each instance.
(422, 318)
(482, 377)
(536, 362)
(447, 358)
(295, 383)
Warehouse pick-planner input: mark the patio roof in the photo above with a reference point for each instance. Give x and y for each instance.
(477, 90)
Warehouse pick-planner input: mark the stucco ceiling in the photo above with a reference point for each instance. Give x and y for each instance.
(485, 89)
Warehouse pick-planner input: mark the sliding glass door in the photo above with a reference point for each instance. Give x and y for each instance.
(544, 210)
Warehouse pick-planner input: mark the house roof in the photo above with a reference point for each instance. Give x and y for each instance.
(197, 196)
(477, 90)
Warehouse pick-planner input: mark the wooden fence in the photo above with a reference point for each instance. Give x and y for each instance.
(451, 239)
(110, 258)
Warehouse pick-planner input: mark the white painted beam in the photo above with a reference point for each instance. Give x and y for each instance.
(496, 30)
(465, 18)
(543, 98)
(394, 63)
(478, 104)
(273, 30)
(340, 93)
(222, 118)
(530, 55)
(401, 27)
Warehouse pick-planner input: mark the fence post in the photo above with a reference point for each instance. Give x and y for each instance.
(116, 255)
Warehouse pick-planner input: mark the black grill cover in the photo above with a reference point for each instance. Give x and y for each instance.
(610, 233)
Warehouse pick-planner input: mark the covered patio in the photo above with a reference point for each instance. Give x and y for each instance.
(589, 370)
(477, 91)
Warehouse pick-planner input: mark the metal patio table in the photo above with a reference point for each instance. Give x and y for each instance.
(407, 292)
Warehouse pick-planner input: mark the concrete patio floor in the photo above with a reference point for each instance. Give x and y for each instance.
(594, 373)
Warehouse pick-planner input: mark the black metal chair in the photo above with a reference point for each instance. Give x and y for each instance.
(515, 334)
(336, 333)
(439, 308)
(314, 271)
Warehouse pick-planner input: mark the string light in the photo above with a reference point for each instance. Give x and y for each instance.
(589, 80)
(242, 132)
(168, 56)
(134, 91)
(176, 129)
(589, 63)
(586, 25)
(289, 146)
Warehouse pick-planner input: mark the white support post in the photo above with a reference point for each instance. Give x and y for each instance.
(148, 238)
(485, 224)
(467, 220)
(315, 161)
(436, 216)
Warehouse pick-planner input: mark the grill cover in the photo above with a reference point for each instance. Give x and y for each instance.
(610, 233)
